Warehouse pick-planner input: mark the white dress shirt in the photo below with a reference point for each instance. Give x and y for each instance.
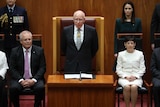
(81, 31)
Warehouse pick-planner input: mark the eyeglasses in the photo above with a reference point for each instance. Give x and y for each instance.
(78, 20)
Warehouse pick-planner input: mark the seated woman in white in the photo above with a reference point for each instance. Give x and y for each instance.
(130, 69)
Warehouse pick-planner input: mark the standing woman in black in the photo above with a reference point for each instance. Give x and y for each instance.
(128, 23)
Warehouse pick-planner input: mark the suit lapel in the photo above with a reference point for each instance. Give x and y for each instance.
(33, 53)
(20, 55)
(85, 34)
(15, 10)
(71, 36)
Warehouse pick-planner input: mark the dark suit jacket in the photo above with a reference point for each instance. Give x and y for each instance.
(155, 22)
(38, 63)
(80, 60)
(12, 28)
(155, 67)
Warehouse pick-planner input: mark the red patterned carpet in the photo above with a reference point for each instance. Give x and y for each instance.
(27, 101)
(122, 104)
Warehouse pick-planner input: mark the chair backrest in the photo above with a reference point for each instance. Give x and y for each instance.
(157, 39)
(37, 39)
(58, 58)
(138, 38)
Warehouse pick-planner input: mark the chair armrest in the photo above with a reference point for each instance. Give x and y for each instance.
(148, 86)
(115, 83)
(146, 83)
(151, 85)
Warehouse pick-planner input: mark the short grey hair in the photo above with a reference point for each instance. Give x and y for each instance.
(24, 32)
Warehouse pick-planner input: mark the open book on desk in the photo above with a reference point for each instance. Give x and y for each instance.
(81, 75)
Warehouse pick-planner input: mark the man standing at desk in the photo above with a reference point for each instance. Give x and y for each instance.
(13, 20)
(79, 44)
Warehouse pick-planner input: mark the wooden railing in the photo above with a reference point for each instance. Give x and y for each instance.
(35, 36)
(140, 35)
(156, 35)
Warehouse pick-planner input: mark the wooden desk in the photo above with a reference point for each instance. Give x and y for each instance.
(97, 92)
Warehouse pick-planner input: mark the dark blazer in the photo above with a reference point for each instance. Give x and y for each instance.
(155, 22)
(11, 28)
(125, 27)
(79, 60)
(38, 63)
(155, 67)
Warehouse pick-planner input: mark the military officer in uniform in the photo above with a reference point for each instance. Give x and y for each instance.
(13, 20)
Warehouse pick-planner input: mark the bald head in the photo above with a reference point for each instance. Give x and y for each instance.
(79, 18)
(79, 13)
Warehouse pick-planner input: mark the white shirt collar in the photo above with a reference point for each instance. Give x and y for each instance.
(29, 50)
(81, 29)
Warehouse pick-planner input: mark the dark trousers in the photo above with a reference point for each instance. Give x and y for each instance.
(16, 88)
(3, 94)
(156, 93)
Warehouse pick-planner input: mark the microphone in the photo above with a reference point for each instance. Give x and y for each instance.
(80, 76)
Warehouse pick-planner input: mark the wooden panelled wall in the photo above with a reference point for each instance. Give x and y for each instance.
(40, 15)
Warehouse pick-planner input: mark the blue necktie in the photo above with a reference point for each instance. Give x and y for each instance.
(10, 11)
